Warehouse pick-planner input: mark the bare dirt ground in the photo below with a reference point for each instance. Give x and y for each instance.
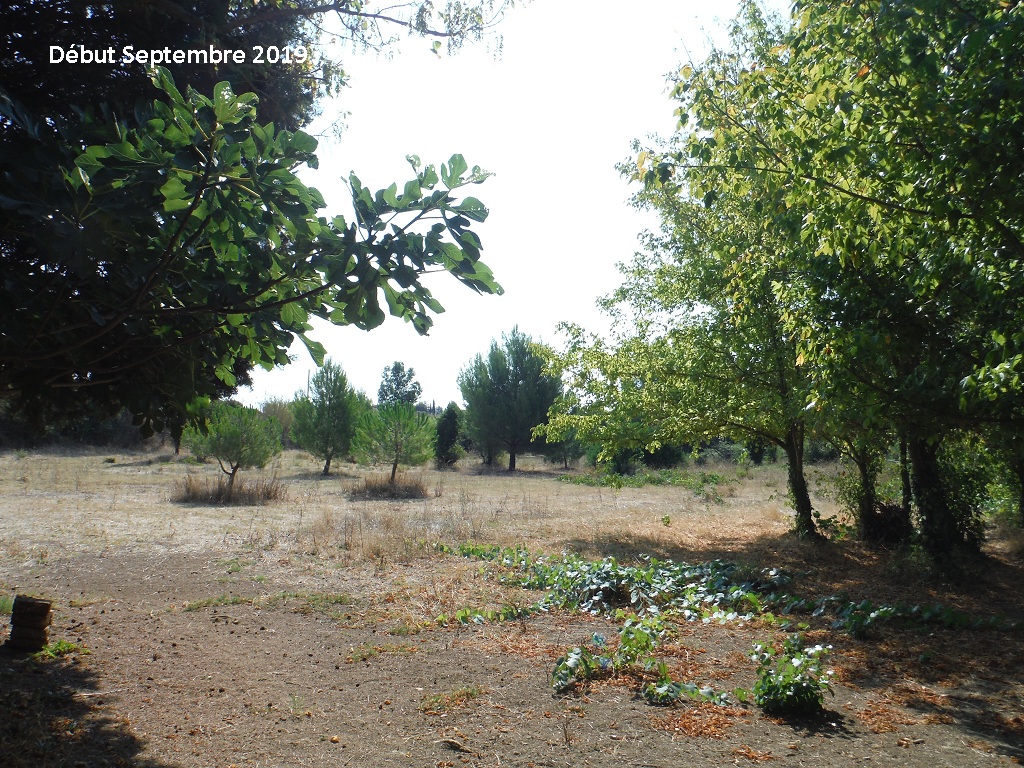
(303, 633)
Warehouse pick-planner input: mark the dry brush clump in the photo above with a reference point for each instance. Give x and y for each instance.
(194, 489)
(383, 486)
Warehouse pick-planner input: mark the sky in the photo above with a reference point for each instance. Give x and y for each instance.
(574, 85)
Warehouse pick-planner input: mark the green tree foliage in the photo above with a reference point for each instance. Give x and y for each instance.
(398, 385)
(841, 249)
(237, 437)
(149, 267)
(700, 351)
(396, 434)
(281, 411)
(894, 131)
(565, 451)
(447, 449)
(325, 417)
(507, 395)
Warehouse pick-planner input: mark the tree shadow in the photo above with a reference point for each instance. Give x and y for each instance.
(770, 551)
(52, 713)
(966, 678)
(318, 476)
(956, 675)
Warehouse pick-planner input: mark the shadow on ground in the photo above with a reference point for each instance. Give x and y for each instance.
(51, 713)
(971, 677)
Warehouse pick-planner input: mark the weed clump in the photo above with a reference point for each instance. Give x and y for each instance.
(58, 649)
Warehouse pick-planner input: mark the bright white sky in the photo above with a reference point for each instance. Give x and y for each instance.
(574, 85)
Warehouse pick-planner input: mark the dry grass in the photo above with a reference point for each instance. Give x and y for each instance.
(380, 486)
(54, 500)
(205, 490)
(53, 504)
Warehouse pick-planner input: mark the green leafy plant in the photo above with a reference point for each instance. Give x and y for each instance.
(665, 691)
(579, 664)
(638, 638)
(58, 649)
(791, 681)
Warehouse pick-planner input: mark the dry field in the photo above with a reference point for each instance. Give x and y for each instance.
(303, 633)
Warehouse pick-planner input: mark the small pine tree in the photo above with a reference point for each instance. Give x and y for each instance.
(396, 434)
(507, 394)
(325, 418)
(237, 437)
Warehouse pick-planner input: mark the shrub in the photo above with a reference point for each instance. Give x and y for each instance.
(666, 456)
(791, 681)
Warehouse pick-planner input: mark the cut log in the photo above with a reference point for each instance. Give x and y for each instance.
(30, 619)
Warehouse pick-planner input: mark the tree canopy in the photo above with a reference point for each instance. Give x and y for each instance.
(237, 437)
(507, 394)
(145, 267)
(395, 433)
(158, 212)
(289, 88)
(840, 248)
(326, 416)
(398, 385)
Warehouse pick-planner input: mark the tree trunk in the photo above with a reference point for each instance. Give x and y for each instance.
(866, 501)
(942, 536)
(327, 465)
(177, 427)
(1017, 465)
(908, 495)
(394, 472)
(794, 447)
(880, 522)
(231, 482)
(512, 461)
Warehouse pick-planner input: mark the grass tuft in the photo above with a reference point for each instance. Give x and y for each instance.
(6, 605)
(210, 602)
(380, 487)
(199, 490)
(440, 703)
